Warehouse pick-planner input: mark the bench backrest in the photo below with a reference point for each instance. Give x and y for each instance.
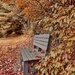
(42, 41)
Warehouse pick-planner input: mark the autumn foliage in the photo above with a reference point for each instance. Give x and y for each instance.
(33, 8)
(56, 17)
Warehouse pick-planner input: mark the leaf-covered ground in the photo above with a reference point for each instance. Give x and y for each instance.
(10, 54)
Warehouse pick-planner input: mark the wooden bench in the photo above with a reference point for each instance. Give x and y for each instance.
(41, 44)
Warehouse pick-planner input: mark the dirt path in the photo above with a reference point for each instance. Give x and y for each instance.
(14, 40)
(10, 54)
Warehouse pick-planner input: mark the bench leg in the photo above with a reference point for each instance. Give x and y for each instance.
(25, 68)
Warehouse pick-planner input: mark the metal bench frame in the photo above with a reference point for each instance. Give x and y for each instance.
(42, 42)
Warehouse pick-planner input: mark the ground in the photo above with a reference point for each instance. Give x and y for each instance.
(10, 54)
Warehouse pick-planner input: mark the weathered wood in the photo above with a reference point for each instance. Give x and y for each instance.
(41, 41)
(24, 55)
(42, 36)
(25, 68)
(41, 46)
(28, 56)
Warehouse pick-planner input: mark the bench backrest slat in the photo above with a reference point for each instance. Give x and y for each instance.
(42, 41)
(40, 46)
(42, 36)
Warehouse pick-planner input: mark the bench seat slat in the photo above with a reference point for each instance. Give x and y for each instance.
(29, 55)
(34, 55)
(24, 55)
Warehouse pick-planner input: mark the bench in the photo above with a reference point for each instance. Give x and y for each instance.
(41, 44)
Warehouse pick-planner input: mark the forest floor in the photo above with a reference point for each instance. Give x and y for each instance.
(10, 54)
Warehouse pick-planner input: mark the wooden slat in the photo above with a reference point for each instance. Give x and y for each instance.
(41, 46)
(41, 43)
(41, 39)
(42, 36)
(24, 55)
(34, 56)
(30, 55)
(27, 54)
